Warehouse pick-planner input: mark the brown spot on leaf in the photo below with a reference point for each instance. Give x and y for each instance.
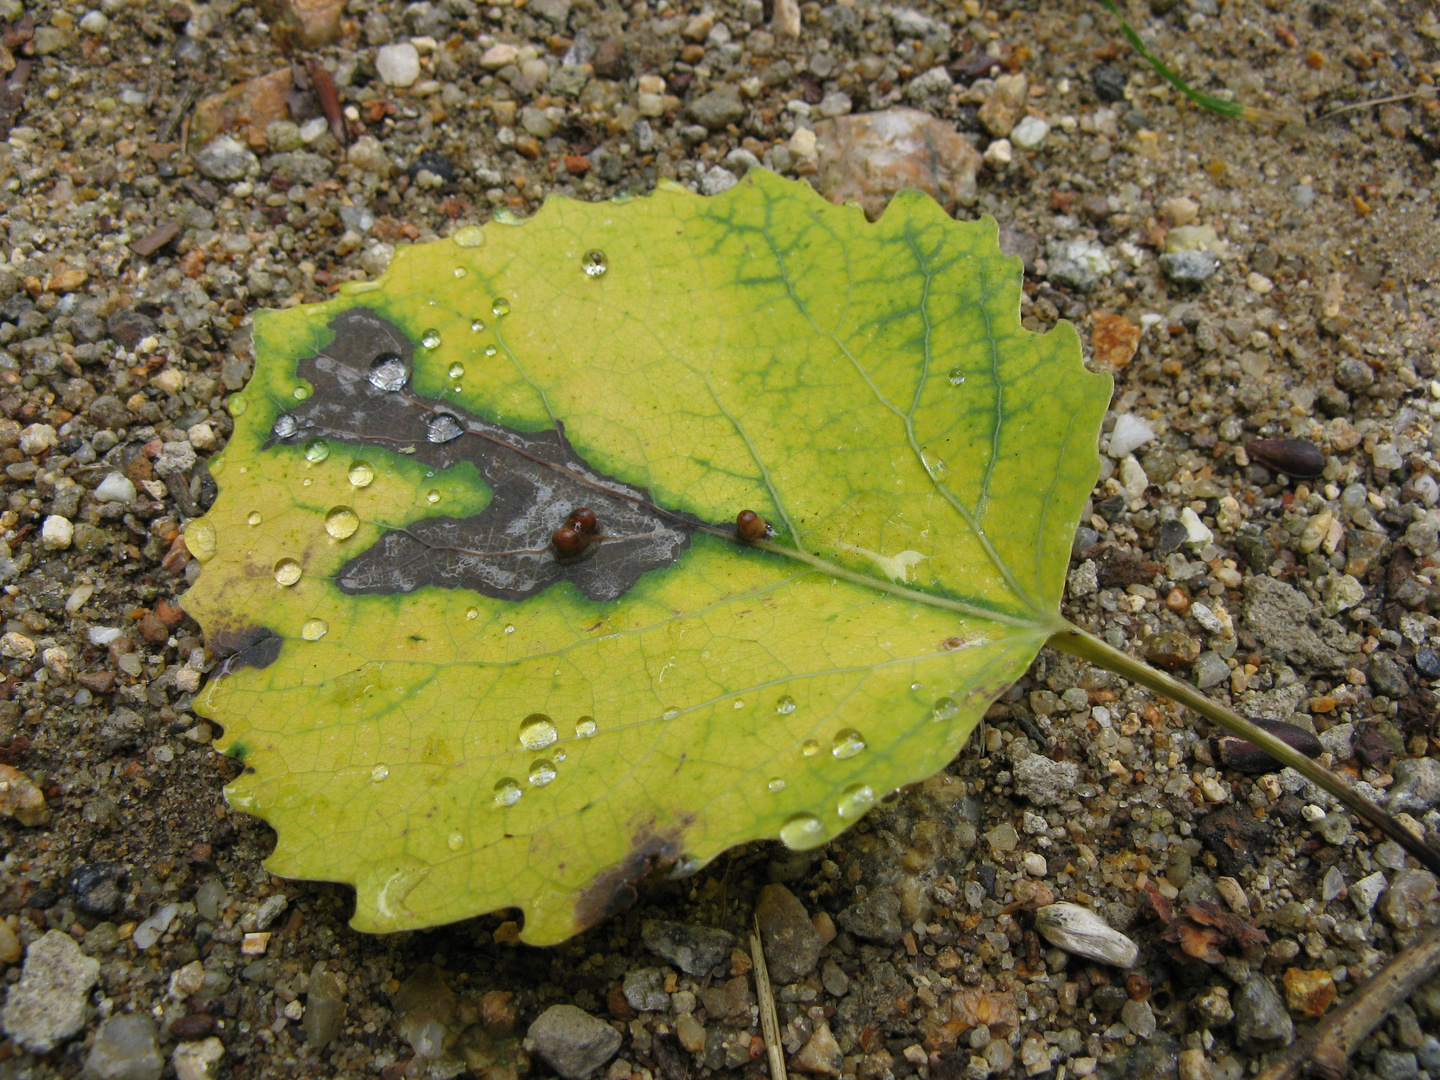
(249, 646)
(613, 889)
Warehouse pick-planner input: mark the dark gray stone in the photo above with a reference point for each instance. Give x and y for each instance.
(1387, 677)
(792, 944)
(1189, 269)
(876, 918)
(1417, 785)
(695, 950)
(1261, 1021)
(1045, 782)
(572, 1042)
(717, 109)
(1279, 616)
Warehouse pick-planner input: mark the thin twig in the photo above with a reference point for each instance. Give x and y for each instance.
(769, 1021)
(1366, 104)
(1327, 1049)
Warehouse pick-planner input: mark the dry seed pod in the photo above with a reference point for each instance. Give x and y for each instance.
(1245, 756)
(1080, 931)
(1293, 457)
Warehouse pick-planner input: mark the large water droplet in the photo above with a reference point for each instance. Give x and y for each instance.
(501, 306)
(785, 705)
(509, 629)
(301, 392)
(585, 727)
(432, 496)
(775, 786)
(491, 350)
(809, 748)
(388, 371)
(254, 518)
(855, 800)
(430, 339)
(472, 613)
(287, 571)
(379, 773)
(802, 832)
(541, 773)
(594, 263)
(361, 474)
(457, 371)
(285, 426)
(455, 841)
(469, 236)
(847, 744)
(316, 451)
(956, 377)
(670, 713)
(507, 791)
(934, 464)
(314, 629)
(341, 522)
(200, 540)
(537, 731)
(238, 406)
(944, 710)
(443, 428)
(459, 271)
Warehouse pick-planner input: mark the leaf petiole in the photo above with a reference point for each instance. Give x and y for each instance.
(1069, 638)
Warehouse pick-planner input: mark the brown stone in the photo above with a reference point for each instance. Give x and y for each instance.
(867, 158)
(257, 103)
(1309, 992)
(20, 798)
(821, 1055)
(303, 24)
(1114, 340)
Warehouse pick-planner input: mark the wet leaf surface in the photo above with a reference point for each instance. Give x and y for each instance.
(457, 691)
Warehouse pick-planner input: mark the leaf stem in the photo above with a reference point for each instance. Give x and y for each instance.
(1071, 639)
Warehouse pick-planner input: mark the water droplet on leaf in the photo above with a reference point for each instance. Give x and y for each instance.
(316, 451)
(430, 339)
(238, 406)
(314, 629)
(585, 727)
(775, 786)
(934, 465)
(455, 841)
(287, 572)
(379, 773)
(457, 371)
(472, 613)
(341, 522)
(389, 372)
(477, 325)
(670, 713)
(501, 306)
(361, 474)
(855, 800)
(785, 705)
(956, 377)
(847, 744)
(491, 350)
(509, 629)
(442, 428)
(301, 393)
(432, 496)
(809, 748)
(537, 731)
(802, 831)
(285, 426)
(507, 791)
(459, 271)
(595, 263)
(541, 773)
(254, 518)
(200, 539)
(944, 710)
(469, 236)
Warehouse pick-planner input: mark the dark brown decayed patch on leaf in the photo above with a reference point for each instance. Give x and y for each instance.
(613, 890)
(362, 396)
(248, 646)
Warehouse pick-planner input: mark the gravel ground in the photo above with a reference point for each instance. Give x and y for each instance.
(1241, 283)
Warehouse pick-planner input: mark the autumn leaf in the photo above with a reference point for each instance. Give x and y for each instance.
(493, 637)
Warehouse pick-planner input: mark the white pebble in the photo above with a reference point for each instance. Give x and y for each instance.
(1080, 931)
(398, 65)
(1030, 133)
(1130, 433)
(94, 22)
(36, 439)
(999, 154)
(117, 487)
(1035, 864)
(1196, 531)
(56, 533)
(17, 646)
(201, 436)
(103, 635)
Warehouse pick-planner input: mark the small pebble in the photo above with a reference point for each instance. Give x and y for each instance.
(398, 65)
(1080, 931)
